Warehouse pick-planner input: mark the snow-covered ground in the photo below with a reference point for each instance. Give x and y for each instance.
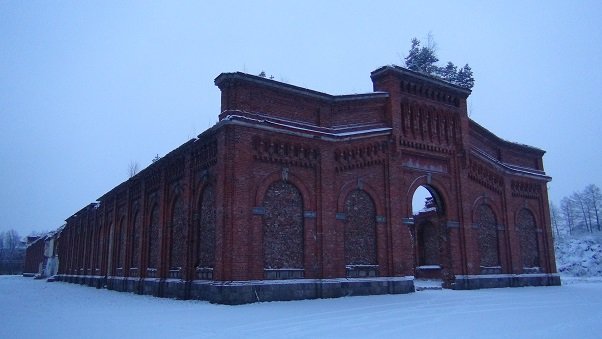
(579, 255)
(38, 309)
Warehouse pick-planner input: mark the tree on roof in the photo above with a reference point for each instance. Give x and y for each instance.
(423, 59)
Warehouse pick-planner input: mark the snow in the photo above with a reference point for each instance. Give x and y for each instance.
(580, 255)
(35, 308)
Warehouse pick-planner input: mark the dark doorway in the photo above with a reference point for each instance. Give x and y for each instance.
(429, 232)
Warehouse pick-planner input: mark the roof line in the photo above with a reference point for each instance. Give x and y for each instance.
(297, 89)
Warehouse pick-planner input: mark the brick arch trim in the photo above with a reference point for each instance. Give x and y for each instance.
(198, 195)
(491, 203)
(352, 185)
(276, 176)
(537, 224)
(434, 184)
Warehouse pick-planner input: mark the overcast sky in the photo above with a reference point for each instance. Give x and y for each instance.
(88, 87)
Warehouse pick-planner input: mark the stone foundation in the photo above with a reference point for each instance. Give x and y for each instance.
(474, 282)
(244, 292)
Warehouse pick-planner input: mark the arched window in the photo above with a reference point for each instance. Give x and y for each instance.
(206, 228)
(360, 229)
(488, 239)
(122, 243)
(527, 234)
(135, 256)
(283, 227)
(154, 238)
(178, 231)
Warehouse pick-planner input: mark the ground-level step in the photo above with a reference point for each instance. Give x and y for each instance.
(428, 284)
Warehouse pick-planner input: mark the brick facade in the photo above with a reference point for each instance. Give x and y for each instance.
(307, 188)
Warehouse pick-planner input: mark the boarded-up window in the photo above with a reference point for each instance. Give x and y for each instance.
(135, 258)
(178, 235)
(121, 245)
(154, 239)
(207, 228)
(283, 227)
(360, 229)
(488, 239)
(528, 238)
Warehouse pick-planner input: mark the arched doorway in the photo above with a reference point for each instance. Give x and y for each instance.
(429, 233)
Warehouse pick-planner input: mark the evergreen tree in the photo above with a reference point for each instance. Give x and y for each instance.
(449, 72)
(423, 59)
(412, 58)
(464, 78)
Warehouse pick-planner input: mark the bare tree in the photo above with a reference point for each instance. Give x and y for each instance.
(567, 210)
(581, 203)
(554, 215)
(1, 246)
(11, 240)
(133, 168)
(594, 200)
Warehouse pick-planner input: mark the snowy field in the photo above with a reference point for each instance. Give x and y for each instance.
(37, 309)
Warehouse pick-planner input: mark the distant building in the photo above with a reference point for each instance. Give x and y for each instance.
(298, 194)
(41, 260)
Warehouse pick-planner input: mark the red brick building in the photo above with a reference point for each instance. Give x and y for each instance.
(299, 194)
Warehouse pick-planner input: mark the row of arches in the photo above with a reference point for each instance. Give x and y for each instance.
(283, 232)
(153, 243)
(430, 233)
(138, 249)
(283, 228)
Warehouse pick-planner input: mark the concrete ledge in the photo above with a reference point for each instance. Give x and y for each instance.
(244, 292)
(473, 282)
(151, 286)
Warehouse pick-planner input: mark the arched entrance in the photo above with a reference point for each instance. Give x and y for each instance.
(429, 233)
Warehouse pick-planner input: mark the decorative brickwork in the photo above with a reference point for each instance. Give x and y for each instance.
(483, 175)
(207, 229)
(430, 128)
(528, 238)
(488, 238)
(285, 153)
(360, 229)
(205, 155)
(525, 189)
(283, 227)
(362, 156)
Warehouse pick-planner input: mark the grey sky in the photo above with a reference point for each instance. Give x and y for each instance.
(86, 88)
